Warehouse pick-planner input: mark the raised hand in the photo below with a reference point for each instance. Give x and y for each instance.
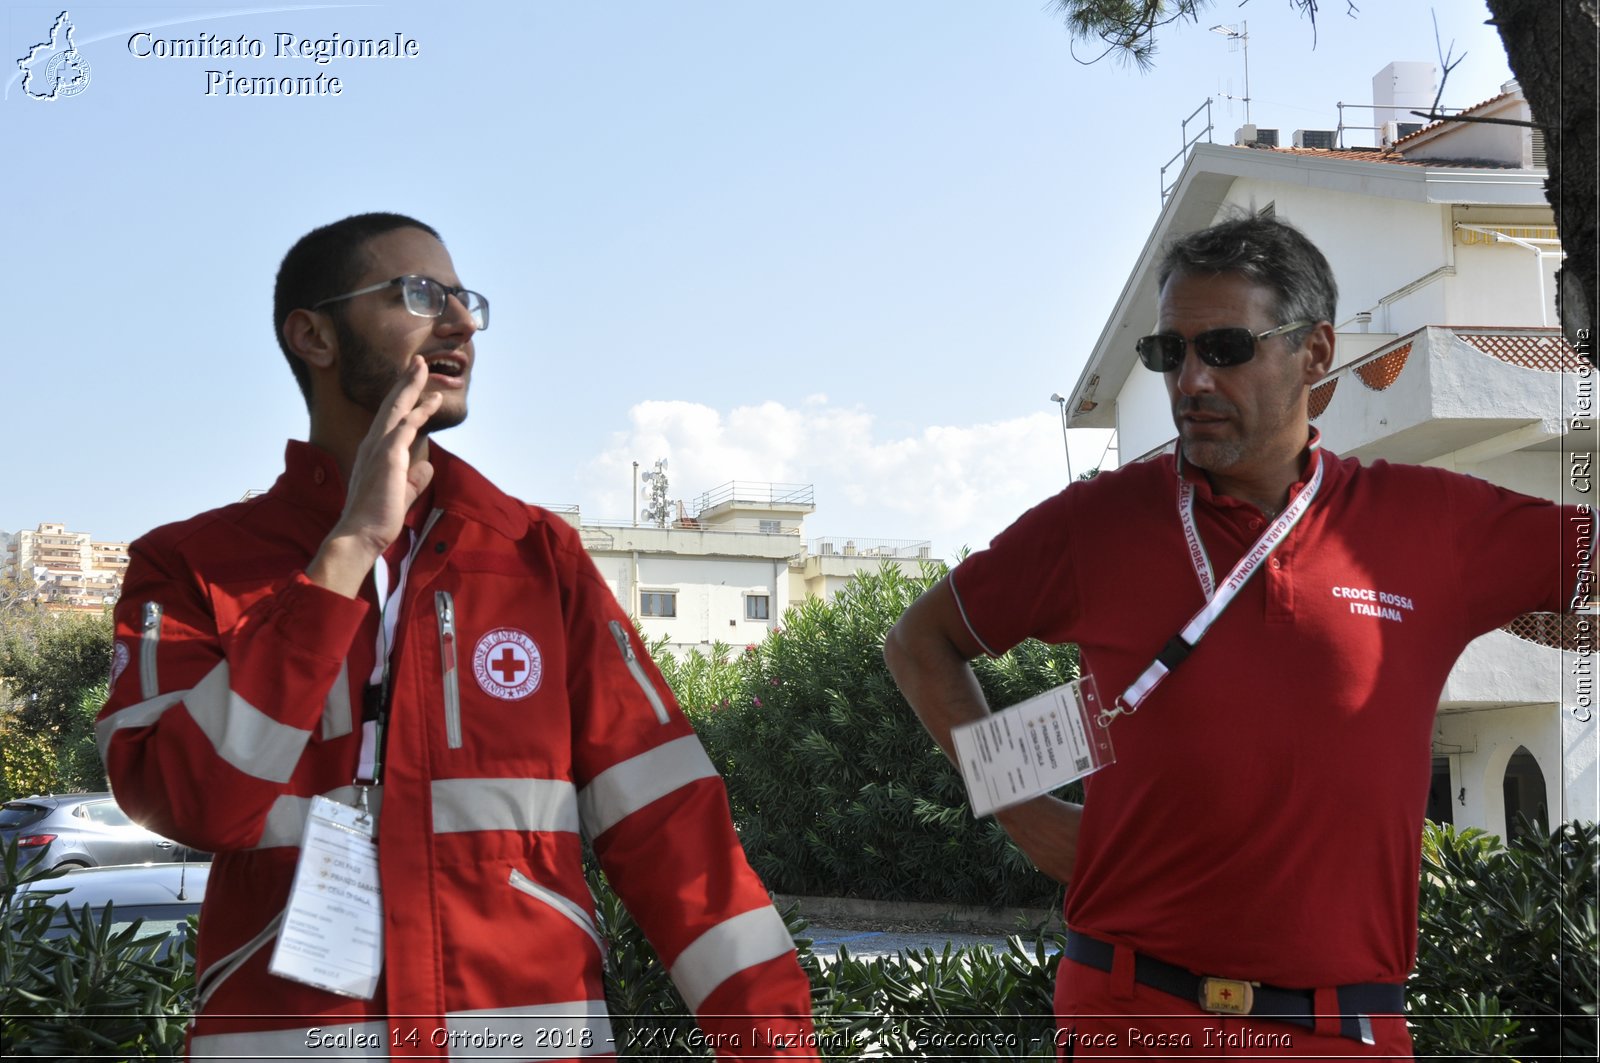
(390, 471)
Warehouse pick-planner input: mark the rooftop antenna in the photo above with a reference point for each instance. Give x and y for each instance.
(1240, 35)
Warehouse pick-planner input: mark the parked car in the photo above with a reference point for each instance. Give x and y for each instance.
(83, 830)
(164, 896)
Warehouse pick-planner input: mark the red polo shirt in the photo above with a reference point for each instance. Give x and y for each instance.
(1262, 819)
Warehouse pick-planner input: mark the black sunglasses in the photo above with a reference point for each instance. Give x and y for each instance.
(1220, 347)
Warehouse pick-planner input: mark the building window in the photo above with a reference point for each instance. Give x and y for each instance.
(771, 527)
(757, 606)
(658, 603)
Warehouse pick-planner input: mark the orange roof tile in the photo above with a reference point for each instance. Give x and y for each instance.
(1380, 155)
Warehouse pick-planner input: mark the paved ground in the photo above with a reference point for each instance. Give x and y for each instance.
(870, 944)
(871, 929)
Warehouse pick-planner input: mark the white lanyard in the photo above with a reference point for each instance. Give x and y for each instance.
(388, 619)
(1219, 598)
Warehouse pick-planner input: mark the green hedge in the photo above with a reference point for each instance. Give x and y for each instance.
(836, 787)
(1508, 957)
(1507, 968)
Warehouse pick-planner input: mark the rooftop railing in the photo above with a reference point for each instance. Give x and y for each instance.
(757, 493)
(904, 549)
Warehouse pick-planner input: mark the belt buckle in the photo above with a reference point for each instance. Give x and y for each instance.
(1227, 996)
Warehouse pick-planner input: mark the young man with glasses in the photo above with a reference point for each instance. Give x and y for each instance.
(394, 702)
(1271, 626)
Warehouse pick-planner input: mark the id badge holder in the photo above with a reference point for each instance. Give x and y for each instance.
(332, 932)
(1033, 747)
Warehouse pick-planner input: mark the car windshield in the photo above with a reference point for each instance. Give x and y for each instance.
(21, 814)
(160, 920)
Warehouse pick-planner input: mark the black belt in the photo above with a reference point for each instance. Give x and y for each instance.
(1232, 996)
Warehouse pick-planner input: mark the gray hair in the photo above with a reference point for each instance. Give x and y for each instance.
(1271, 253)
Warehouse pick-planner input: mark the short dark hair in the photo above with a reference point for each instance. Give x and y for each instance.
(1271, 253)
(323, 263)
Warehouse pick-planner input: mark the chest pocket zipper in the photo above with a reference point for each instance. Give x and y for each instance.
(149, 641)
(559, 903)
(620, 633)
(444, 605)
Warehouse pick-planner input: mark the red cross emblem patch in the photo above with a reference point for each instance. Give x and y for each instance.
(508, 664)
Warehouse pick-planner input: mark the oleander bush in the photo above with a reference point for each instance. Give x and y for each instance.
(954, 1004)
(96, 992)
(1507, 969)
(1508, 959)
(835, 786)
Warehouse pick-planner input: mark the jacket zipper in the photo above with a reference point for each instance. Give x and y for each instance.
(148, 641)
(559, 903)
(445, 607)
(620, 633)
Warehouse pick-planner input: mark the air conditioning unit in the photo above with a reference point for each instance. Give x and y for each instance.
(1267, 138)
(1245, 134)
(1313, 138)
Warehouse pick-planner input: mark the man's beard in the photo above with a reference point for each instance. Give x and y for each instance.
(366, 379)
(1213, 455)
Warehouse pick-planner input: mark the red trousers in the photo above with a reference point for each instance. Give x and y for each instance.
(1101, 1015)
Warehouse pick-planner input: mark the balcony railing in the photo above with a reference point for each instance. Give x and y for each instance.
(1574, 632)
(1541, 349)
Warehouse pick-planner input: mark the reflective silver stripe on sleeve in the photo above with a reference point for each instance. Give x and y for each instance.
(338, 1039)
(544, 1031)
(504, 804)
(286, 820)
(146, 712)
(336, 719)
(624, 788)
(726, 949)
(242, 734)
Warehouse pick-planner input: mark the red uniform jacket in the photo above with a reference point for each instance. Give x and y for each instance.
(524, 711)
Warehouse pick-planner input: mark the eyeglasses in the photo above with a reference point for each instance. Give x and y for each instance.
(1220, 347)
(425, 297)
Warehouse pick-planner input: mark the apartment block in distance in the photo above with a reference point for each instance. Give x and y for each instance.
(730, 563)
(70, 571)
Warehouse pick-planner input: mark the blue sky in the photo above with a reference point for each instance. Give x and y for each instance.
(843, 243)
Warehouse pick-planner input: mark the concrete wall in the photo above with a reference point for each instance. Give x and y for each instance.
(1480, 745)
(1499, 285)
(1144, 413)
(1376, 246)
(710, 591)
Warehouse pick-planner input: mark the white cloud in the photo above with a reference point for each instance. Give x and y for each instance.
(953, 484)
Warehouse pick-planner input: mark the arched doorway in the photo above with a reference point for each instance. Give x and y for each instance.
(1525, 795)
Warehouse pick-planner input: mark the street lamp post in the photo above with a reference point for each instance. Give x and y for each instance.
(1061, 407)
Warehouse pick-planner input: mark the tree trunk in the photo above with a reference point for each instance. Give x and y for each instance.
(1552, 48)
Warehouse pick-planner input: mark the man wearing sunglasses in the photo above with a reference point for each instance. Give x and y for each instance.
(1270, 627)
(395, 701)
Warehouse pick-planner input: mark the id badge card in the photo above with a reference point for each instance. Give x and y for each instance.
(332, 932)
(1033, 747)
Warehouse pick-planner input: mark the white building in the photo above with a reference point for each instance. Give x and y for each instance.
(1447, 354)
(70, 571)
(728, 572)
